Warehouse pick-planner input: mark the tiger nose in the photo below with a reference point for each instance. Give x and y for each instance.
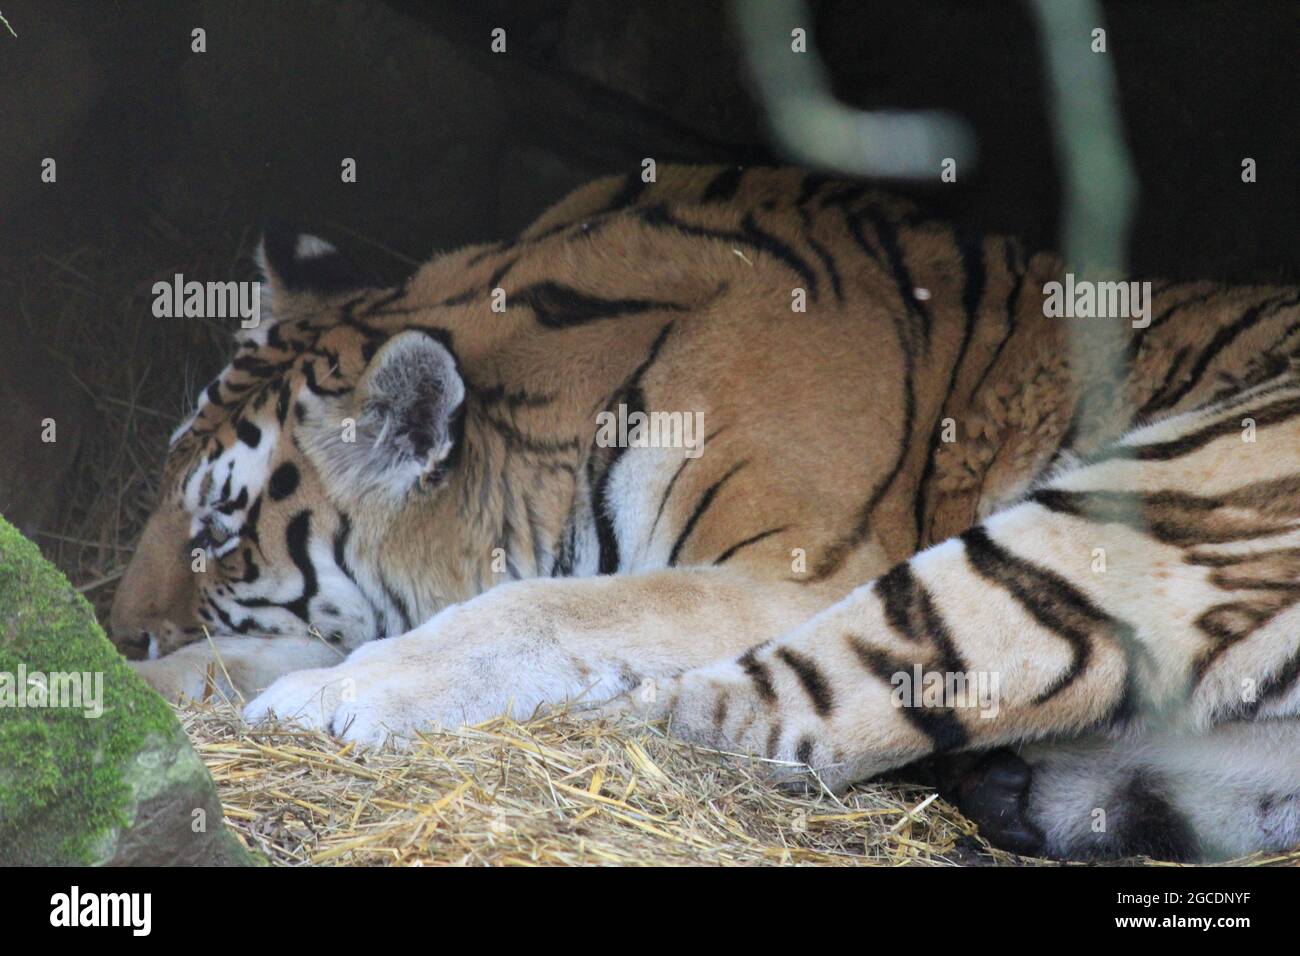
(133, 645)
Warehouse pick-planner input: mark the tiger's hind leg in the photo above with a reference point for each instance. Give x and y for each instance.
(1169, 796)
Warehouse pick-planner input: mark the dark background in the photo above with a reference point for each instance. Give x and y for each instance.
(168, 160)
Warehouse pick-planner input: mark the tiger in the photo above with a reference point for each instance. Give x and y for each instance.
(436, 503)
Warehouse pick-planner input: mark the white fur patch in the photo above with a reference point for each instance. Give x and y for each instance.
(312, 247)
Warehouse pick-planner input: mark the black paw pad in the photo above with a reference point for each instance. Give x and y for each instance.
(993, 793)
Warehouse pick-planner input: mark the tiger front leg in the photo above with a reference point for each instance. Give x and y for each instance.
(532, 643)
(234, 667)
(1155, 586)
(933, 657)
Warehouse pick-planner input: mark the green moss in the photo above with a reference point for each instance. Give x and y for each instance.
(29, 773)
(64, 787)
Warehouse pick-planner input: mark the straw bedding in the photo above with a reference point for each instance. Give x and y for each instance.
(560, 790)
(557, 790)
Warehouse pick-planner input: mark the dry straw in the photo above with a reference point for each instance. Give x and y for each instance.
(559, 790)
(556, 790)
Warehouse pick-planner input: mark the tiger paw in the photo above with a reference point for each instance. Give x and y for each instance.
(352, 701)
(992, 791)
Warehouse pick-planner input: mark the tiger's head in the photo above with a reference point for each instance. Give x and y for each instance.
(325, 445)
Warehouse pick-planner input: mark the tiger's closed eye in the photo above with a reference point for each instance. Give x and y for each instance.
(211, 537)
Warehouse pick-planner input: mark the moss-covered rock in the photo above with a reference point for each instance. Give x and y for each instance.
(94, 768)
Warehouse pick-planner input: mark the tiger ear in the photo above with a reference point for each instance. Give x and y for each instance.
(412, 400)
(296, 264)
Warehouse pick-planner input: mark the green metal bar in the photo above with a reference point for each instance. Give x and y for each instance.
(816, 129)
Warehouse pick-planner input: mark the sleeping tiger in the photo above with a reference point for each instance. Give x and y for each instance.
(881, 529)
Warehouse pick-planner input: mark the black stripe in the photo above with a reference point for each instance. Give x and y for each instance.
(843, 196)
(887, 235)
(1139, 335)
(724, 185)
(752, 539)
(251, 571)
(519, 440)
(248, 532)
(490, 250)
(773, 246)
(395, 294)
(896, 591)
(812, 182)
(970, 251)
(828, 260)
(297, 536)
(1169, 516)
(282, 403)
(1067, 439)
(1172, 371)
(566, 548)
(633, 187)
(1273, 414)
(341, 536)
(494, 280)
(720, 710)
(1016, 269)
(701, 506)
(1223, 339)
(854, 224)
(1149, 825)
(828, 263)
(309, 375)
(939, 724)
(399, 602)
(546, 233)
(608, 559)
(1132, 510)
(258, 368)
(535, 531)
(773, 738)
(812, 679)
(839, 551)
(663, 502)
(910, 611)
(243, 627)
(460, 298)
(759, 674)
(518, 398)
(1278, 685)
(1048, 598)
(629, 393)
(559, 306)
(231, 505)
(1228, 624)
(1283, 383)
(750, 236)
